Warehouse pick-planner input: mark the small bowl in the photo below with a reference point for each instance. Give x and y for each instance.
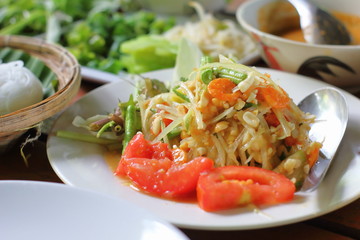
(338, 65)
(67, 70)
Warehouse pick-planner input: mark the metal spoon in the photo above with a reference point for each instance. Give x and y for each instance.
(320, 27)
(331, 111)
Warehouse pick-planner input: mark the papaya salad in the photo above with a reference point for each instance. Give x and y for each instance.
(227, 134)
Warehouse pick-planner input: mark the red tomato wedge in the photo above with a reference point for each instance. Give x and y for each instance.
(232, 186)
(152, 169)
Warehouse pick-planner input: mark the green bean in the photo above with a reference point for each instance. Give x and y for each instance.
(233, 75)
(130, 124)
(208, 74)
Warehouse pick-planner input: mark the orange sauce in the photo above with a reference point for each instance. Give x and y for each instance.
(112, 159)
(351, 22)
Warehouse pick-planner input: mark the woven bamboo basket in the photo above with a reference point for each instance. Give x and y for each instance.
(67, 71)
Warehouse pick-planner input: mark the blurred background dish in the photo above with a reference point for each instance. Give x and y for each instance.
(266, 21)
(181, 7)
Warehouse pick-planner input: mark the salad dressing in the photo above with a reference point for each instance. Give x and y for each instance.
(351, 22)
(112, 159)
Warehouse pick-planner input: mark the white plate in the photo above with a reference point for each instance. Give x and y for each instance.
(42, 211)
(82, 165)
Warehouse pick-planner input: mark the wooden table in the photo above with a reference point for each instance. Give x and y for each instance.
(341, 224)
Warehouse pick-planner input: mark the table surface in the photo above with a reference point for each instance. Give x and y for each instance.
(340, 224)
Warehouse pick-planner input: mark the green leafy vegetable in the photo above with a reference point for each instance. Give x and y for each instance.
(147, 53)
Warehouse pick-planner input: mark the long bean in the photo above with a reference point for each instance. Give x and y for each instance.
(208, 74)
(234, 76)
(130, 124)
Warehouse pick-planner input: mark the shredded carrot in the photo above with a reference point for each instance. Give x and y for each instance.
(221, 88)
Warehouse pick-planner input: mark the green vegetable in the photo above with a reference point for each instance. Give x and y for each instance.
(35, 65)
(151, 87)
(106, 126)
(21, 24)
(85, 137)
(92, 30)
(234, 76)
(205, 60)
(188, 58)
(293, 167)
(147, 53)
(174, 133)
(130, 124)
(208, 74)
(180, 94)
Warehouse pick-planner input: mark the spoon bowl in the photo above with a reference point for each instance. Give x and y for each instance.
(331, 111)
(319, 26)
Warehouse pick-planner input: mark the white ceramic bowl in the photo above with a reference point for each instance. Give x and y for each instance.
(336, 64)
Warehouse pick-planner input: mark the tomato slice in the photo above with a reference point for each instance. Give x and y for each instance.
(232, 186)
(153, 169)
(165, 178)
(139, 147)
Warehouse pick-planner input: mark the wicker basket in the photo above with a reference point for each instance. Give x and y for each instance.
(67, 71)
